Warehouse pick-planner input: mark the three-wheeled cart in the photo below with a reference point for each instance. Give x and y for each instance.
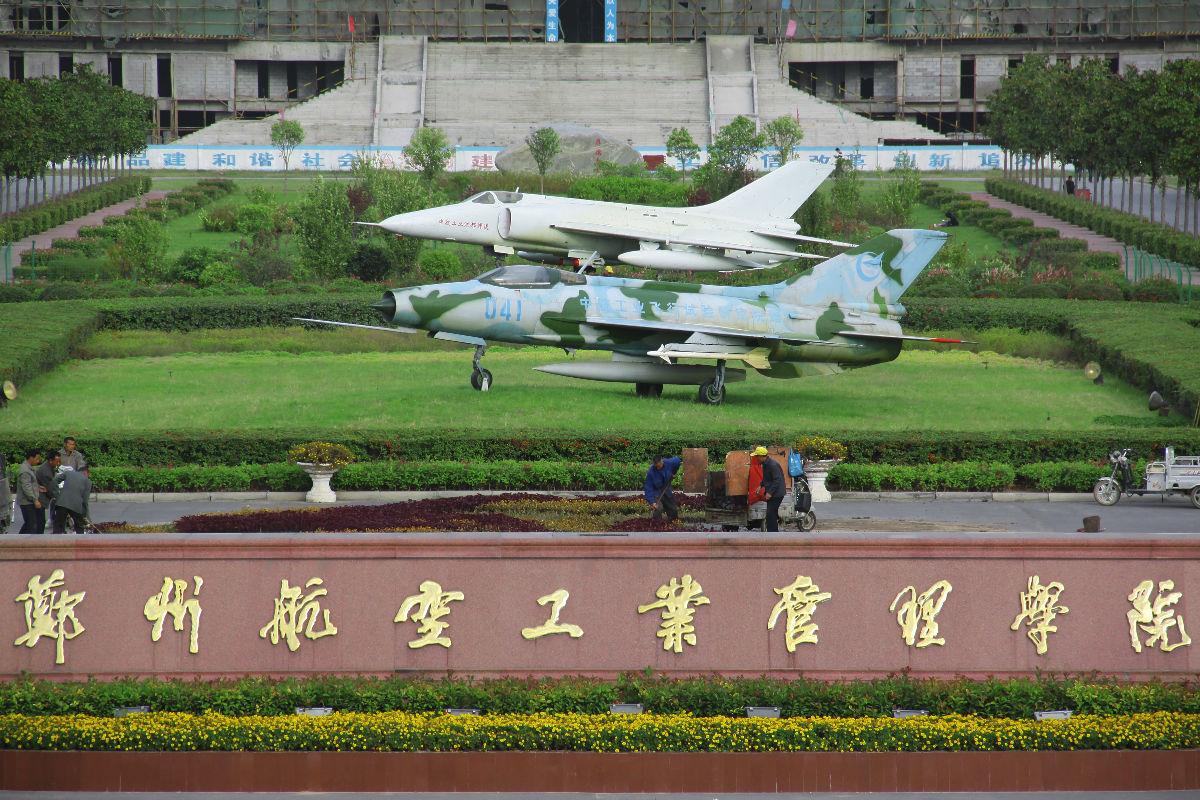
(1173, 475)
(725, 502)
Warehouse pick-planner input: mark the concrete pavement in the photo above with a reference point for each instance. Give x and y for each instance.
(891, 518)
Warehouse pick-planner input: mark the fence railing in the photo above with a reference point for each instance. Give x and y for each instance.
(1143, 265)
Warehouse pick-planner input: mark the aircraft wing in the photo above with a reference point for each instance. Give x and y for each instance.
(620, 232)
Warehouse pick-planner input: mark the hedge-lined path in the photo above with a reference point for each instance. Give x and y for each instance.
(1095, 241)
(867, 519)
(1140, 189)
(70, 229)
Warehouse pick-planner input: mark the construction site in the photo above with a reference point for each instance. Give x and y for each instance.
(362, 73)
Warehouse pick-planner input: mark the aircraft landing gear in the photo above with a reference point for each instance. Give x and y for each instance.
(481, 379)
(648, 389)
(713, 392)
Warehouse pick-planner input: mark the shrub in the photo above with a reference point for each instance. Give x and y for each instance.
(323, 228)
(1041, 290)
(260, 260)
(1061, 476)
(191, 264)
(63, 291)
(1093, 261)
(1091, 290)
(372, 261)
(255, 217)
(324, 453)
(962, 476)
(15, 293)
(139, 250)
(220, 219)
(407, 732)
(638, 190)
(819, 448)
(1155, 290)
(221, 275)
(440, 263)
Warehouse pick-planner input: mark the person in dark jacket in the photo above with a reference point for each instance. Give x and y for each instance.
(47, 487)
(74, 490)
(657, 488)
(772, 485)
(33, 512)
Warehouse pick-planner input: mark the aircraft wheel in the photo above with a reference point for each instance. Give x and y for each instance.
(711, 395)
(481, 380)
(641, 389)
(654, 390)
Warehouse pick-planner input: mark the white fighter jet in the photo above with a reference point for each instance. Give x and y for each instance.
(749, 229)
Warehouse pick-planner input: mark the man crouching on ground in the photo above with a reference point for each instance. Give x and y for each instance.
(658, 487)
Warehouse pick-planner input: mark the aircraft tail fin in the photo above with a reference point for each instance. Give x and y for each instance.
(872, 275)
(777, 194)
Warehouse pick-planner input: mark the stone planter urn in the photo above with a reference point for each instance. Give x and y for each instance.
(321, 474)
(817, 472)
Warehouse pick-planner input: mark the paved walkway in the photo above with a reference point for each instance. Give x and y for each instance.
(70, 230)
(880, 520)
(1095, 241)
(1140, 190)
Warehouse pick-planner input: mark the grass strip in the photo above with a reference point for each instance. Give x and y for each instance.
(400, 731)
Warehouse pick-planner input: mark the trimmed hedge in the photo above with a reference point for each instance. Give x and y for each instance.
(14, 227)
(232, 448)
(225, 448)
(378, 476)
(961, 476)
(1127, 228)
(1015, 698)
(398, 731)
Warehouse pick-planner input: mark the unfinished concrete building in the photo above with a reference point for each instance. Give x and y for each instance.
(369, 72)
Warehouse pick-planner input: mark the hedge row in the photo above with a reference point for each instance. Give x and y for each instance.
(1150, 346)
(14, 227)
(378, 476)
(1015, 698)
(398, 731)
(1057, 476)
(231, 448)
(1001, 223)
(1127, 228)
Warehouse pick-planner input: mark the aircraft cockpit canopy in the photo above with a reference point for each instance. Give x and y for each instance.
(530, 276)
(489, 198)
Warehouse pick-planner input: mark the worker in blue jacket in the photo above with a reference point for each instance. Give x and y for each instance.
(658, 487)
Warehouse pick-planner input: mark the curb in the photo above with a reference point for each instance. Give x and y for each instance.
(399, 497)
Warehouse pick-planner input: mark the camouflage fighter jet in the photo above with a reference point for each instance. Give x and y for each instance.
(842, 314)
(749, 229)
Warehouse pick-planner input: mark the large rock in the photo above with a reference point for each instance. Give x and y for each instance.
(582, 147)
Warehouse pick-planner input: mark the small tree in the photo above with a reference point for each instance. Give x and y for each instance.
(785, 135)
(683, 148)
(428, 151)
(730, 154)
(139, 249)
(287, 135)
(544, 145)
(323, 227)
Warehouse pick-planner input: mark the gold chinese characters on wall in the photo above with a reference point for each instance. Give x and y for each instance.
(302, 612)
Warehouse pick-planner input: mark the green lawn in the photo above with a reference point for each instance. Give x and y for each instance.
(430, 390)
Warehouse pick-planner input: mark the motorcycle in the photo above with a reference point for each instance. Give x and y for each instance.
(1173, 475)
(806, 520)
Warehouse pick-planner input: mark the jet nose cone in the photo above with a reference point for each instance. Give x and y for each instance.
(386, 306)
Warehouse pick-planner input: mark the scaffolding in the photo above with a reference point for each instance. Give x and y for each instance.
(113, 21)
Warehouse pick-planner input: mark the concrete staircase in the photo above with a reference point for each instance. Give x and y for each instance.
(824, 123)
(339, 116)
(732, 83)
(400, 99)
(495, 94)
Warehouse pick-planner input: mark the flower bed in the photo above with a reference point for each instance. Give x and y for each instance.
(404, 732)
(511, 513)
